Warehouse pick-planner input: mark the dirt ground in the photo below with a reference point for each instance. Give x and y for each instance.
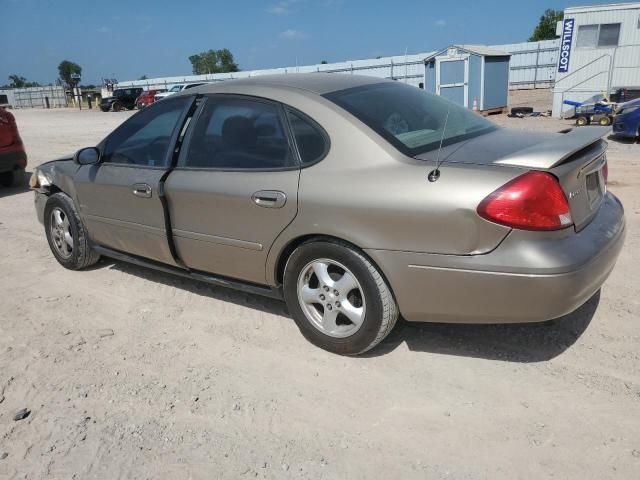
(134, 374)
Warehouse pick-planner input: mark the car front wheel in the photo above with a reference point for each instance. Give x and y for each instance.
(66, 234)
(338, 298)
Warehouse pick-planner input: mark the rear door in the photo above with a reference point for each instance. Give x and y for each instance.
(119, 197)
(235, 187)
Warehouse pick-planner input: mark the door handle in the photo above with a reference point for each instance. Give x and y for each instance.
(269, 198)
(141, 190)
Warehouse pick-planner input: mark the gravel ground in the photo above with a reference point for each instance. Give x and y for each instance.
(130, 373)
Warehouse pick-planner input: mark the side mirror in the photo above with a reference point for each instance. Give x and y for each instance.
(87, 156)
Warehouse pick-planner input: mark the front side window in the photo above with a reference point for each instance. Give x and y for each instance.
(145, 138)
(411, 119)
(176, 88)
(237, 133)
(603, 35)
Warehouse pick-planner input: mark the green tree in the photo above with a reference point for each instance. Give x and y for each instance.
(213, 61)
(66, 69)
(546, 28)
(323, 62)
(18, 81)
(143, 77)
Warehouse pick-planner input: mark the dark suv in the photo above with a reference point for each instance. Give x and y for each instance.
(123, 99)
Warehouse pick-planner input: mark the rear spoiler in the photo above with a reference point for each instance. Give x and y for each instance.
(549, 154)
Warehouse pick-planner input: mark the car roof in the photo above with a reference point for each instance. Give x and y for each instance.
(320, 83)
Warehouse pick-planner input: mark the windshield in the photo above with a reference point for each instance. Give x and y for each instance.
(409, 118)
(176, 88)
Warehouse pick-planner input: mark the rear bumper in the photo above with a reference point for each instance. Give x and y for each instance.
(12, 160)
(530, 277)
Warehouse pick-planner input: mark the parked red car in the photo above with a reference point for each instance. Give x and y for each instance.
(148, 97)
(13, 158)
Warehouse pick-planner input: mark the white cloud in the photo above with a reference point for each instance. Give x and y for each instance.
(292, 34)
(278, 9)
(441, 23)
(282, 7)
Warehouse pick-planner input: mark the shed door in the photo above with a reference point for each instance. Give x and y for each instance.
(453, 79)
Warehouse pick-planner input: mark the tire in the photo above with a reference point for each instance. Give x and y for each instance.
(522, 110)
(371, 296)
(117, 107)
(604, 121)
(81, 254)
(13, 179)
(582, 121)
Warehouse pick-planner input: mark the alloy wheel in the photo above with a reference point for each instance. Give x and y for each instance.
(331, 298)
(61, 235)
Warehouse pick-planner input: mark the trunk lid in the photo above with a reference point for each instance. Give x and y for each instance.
(574, 156)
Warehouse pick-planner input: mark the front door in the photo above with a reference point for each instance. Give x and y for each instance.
(235, 187)
(118, 197)
(453, 79)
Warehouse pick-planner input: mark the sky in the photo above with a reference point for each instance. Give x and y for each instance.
(127, 39)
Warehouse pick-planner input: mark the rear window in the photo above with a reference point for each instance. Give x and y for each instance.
(411, 119)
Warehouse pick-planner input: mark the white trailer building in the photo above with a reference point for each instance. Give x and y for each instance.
(599, 52)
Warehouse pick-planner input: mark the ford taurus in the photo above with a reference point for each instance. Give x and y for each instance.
(355, 199)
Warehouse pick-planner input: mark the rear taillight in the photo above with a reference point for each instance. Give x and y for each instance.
(605, 172)
(533, 201)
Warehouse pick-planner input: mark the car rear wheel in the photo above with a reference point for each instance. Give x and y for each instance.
(338, 298)
(118, 106)
(15, 178)
(66, 234)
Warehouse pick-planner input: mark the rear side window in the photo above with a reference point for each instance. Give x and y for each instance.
(312, 143)
(237, 133)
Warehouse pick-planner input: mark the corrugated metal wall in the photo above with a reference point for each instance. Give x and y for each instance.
(34, 97)
(531, 68)
(409, 69)
(533, 64)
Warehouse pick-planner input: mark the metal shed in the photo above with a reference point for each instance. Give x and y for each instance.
(466, 74)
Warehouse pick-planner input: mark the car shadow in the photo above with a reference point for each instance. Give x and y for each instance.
(257, 302)
(520, 343)
(23, 187)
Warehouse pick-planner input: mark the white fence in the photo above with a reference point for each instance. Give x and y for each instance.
(42, 97)
(533, 65)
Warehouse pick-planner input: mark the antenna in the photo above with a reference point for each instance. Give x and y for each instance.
(405, 63)
(435, 173)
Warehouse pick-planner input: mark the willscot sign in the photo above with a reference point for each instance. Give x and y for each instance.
(565, 45)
